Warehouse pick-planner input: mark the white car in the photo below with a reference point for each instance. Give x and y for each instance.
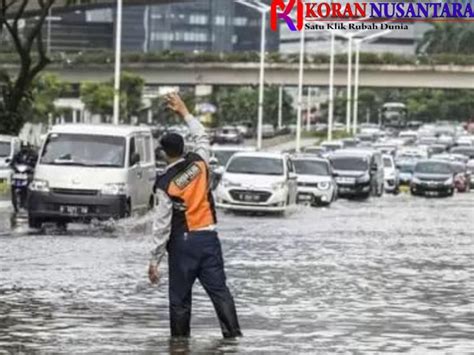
(88, 172)
(316, 184)
(9, 146)
(391, 175)
(260, 182)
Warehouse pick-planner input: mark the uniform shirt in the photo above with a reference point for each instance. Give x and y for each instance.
(162, 224)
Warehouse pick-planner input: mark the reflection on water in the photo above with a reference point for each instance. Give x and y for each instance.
(392, 275)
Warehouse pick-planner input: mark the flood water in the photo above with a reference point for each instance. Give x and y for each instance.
(394, 274)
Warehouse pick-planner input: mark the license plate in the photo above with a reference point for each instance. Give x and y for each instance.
(20, 176)
(305, 197)
(432, 193)
(344, 180)
(251, 198)
(344, 190)
(74, 210)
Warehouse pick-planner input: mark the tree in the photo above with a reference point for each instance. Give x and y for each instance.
(28, 44)
(241, 104)
(45, 89)
(99, 97)
(448, 38)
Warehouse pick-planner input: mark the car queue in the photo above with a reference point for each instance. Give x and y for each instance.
(97, 172)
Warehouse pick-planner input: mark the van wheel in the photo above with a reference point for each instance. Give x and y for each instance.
(34, 223)
(151, 203)
(128, 210)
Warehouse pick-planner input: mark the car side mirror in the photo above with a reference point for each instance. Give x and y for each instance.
(8, 160)
(334, 174)
(213, 162)
(219, 170)
(135, 159)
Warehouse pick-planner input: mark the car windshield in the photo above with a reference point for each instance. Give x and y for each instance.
(311, 167)
(84, 150)
(469, 152)
(387, 162)
(5, 149)
(332, 147)
(256, 166)
(223, 156)
(433, 168)
(350, 163)
(406, 168)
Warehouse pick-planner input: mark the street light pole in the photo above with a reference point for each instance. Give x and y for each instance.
(349, 85)
(48, 38)
(331, 89)
(355, 114)
(262, 83)
(308, 110)
(118, 61)
(300, 93)
(280, 107)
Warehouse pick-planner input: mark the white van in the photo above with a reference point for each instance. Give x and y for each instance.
(87, 172)
(9, 146)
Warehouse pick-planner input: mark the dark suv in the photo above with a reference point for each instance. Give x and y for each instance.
(433, 178)
(358, 173)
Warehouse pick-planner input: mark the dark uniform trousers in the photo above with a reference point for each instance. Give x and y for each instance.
(198, 255)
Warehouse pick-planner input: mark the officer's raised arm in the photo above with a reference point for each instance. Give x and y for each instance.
(196, 128)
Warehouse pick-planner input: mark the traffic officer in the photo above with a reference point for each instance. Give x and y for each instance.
(185, 226)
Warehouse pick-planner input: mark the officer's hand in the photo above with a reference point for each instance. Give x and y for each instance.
(153, 273)
(176, 104)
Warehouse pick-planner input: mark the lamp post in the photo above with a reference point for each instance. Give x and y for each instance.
(280, 107)
(358, 43)
(118, 62)
(300, 93)
(263, 11)
(331, 88)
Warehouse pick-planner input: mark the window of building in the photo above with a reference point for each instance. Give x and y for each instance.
(240, 21)
(198, 19)
(220, 20)
(161, 36)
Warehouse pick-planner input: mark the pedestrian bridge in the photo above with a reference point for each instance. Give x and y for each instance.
(389, 76)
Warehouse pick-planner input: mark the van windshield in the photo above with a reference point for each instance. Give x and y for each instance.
(351, 164)
(5, 149)
(84, 150)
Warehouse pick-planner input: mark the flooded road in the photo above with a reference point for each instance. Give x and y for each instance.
(393, 274)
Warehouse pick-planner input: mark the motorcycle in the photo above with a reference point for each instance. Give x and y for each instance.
(21, 179)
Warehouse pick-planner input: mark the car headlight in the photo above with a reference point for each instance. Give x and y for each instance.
(365, 178)
(227, 183)
(449, 182)
(278, 185)
(39, 186)
(114, 189)
(324, 185)
(415, 180)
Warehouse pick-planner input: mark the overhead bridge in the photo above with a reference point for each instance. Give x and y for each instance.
(238, 74)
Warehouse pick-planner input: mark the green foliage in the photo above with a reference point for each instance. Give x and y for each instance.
(99, 97)
(241, 104)
(448, 37)
(45, 89)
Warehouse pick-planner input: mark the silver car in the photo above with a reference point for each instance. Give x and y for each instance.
(316, 184)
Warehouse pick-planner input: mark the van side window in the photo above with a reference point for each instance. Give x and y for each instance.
(132, 151)
(140, 146)
(148, 150)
